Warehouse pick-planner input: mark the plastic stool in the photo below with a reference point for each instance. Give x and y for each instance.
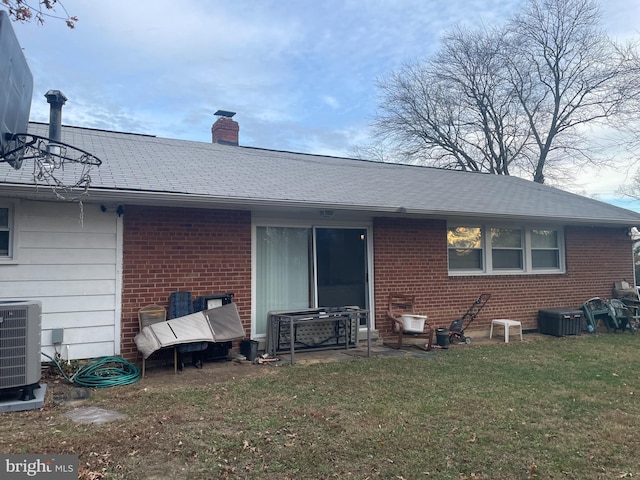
(506, 324)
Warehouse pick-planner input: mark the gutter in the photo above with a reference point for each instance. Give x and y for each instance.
(98, 196)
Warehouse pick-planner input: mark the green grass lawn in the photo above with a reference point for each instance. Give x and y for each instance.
(562, 408)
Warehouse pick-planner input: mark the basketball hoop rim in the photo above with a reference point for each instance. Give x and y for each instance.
(32, 139)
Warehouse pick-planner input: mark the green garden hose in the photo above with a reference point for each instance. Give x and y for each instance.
(102, 372)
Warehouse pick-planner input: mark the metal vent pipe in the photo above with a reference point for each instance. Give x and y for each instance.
(56, 99)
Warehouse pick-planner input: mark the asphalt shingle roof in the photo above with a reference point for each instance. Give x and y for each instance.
(142, 165)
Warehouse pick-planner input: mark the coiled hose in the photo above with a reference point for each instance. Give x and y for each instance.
(102, 372)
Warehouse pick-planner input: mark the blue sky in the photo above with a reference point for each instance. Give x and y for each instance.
(300, 74)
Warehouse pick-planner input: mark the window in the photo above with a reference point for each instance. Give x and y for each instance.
(545, 249)
(504, 249)
(6, 231)
(465, 248)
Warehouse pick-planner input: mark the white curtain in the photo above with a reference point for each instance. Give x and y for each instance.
(282, 271)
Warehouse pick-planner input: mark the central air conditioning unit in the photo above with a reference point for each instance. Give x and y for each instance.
(20, 326)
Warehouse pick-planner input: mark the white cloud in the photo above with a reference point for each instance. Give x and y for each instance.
(331, 101)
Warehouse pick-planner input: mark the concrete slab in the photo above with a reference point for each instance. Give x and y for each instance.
(343, 355)
(94, 415)
(10, 401)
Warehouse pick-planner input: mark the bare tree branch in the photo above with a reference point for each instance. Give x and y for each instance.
(519, 99)
(24, 11)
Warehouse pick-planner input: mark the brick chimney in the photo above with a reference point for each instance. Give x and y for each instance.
(225, 130)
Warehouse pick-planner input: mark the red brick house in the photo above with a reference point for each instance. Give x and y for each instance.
(284, 230)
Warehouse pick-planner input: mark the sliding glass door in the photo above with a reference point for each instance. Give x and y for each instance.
(299, 268)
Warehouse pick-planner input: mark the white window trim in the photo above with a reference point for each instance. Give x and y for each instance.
(14, 209)
(560, 248)
(527, 260)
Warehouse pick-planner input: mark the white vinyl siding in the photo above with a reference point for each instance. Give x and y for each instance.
(69, 260)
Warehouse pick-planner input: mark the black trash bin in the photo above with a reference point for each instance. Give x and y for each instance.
(249, 348)
(442, 337)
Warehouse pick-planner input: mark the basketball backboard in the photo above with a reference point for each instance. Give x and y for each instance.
(16, 92)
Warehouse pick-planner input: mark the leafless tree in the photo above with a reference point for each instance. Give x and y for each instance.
(512, 100)
(631, 189)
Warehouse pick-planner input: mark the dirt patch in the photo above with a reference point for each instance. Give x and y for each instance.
(61, 391)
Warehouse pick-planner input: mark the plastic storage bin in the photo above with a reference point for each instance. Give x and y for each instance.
(413, 323)
(560, 321)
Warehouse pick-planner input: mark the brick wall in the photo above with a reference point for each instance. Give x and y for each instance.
(410, 257)
(208, 251)
(173, 249)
